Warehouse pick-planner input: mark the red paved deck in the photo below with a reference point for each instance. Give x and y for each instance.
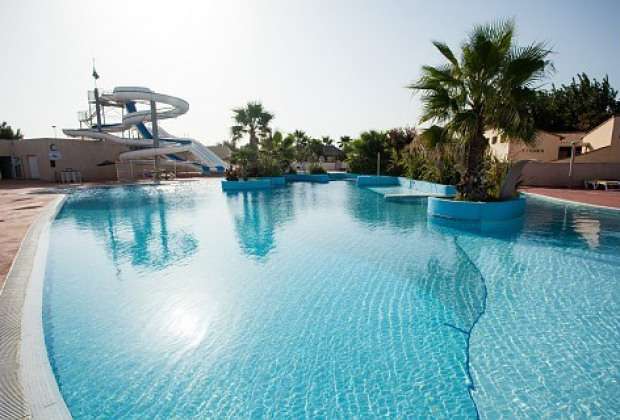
(610, 198)
(19, 207)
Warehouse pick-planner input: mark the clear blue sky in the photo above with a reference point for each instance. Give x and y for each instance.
(327, 67)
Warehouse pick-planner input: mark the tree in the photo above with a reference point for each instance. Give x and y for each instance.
(7, 133)
(399, 138)
(300, 137)
(490, 87)
(344, 141)
(362, 155)
(301, 140)
(244, 156)
(226, 143)
(279, 148)
(315, 147)
(252, 120)
(327, 141)
(581, 106)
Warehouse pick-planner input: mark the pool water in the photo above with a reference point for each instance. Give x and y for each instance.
(326, 301)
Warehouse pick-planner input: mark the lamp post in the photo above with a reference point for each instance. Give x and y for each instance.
(572, 164)
(54, 127)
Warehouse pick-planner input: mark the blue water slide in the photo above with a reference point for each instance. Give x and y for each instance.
(131, 107)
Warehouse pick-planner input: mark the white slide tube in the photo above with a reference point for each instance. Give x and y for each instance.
(145, 153)
(174, 108)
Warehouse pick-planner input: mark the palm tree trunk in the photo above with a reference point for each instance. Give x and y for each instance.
(472, 186)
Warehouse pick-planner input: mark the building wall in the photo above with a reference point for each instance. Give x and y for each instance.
(555, 174)
(604, 147)
(607, 136)
(544, 148)
(79, 155)
(603, 135)
(498, 148)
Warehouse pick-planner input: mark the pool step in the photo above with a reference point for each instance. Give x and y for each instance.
(408, 196)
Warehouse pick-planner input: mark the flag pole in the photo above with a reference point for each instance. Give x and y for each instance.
(97, 104)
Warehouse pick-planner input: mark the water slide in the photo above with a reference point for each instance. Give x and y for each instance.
(169, 146)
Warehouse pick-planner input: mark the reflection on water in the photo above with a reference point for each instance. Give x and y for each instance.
(257, 217)
(133, 223)
(573, 226)
(589, 229)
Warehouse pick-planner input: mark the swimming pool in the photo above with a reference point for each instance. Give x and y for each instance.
(325, 300)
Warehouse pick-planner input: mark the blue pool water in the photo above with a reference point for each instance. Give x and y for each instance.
(326, 301)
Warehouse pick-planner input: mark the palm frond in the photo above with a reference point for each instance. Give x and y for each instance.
(446, 52)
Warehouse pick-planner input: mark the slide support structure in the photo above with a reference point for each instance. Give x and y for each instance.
(155, 132)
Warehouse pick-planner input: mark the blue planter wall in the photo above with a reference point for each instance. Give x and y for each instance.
(477, 211)
(307, 178)
(246, 185)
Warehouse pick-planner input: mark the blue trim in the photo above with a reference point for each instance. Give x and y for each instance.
(341, 176)
(275, 180)
(246, 185)
(131, 107)
(477, 211)
(376, 181)
(429, 187)
(307, 178)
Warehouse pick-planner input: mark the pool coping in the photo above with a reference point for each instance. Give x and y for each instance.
(28, 387)
(564, 201)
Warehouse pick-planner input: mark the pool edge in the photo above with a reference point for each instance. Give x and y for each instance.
(28, 388)
(566, 201)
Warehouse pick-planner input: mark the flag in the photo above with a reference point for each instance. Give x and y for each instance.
(95, 75)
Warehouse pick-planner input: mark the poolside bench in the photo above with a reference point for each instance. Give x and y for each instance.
(595, 183)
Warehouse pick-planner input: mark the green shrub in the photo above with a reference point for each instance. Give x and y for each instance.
(268, 166)
(362, 153)
(496, 172)
(232, 175)
(316, 169)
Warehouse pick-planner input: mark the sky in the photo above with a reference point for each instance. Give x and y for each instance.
(330, 68)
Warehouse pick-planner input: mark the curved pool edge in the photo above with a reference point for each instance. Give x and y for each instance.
(556, 200)
(28, 388)
(489, 212)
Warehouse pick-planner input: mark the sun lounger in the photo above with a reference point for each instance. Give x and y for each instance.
(595, 183)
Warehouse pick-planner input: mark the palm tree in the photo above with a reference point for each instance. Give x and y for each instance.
(344, 141)
(315, 147)
(252, 120)
(243, 156)
(327, 141)
(279, 148)
(363, 152)
(301, 140)
(300, 137)
(490, 87)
